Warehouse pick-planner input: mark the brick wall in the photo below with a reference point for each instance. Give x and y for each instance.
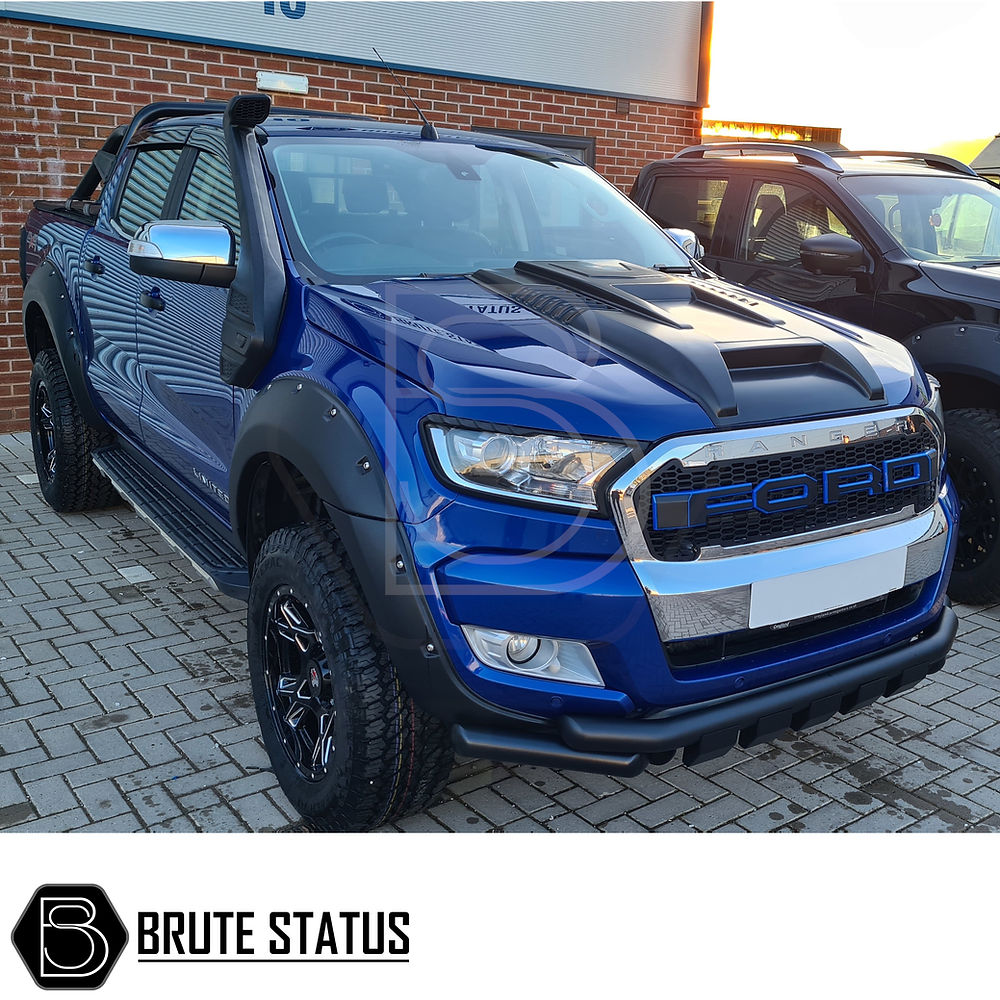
(63, 89)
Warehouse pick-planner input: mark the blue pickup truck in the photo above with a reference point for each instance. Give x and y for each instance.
(496, 466)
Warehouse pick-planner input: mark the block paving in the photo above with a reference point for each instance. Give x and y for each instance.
(125, 706)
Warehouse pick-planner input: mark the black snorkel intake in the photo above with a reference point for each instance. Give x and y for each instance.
(257, 295)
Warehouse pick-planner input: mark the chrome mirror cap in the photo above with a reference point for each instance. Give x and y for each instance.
(687, 241)
(194, 242)
(196, 251)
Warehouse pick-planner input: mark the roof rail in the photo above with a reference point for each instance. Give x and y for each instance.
(803, 154)
(190, 109)
(104, 160)
(100, 167)
(170, 109)
(931, 159)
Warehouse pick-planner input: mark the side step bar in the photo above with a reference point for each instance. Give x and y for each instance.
(212, 554)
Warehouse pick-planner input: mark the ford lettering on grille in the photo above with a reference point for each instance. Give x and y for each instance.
(774, 496)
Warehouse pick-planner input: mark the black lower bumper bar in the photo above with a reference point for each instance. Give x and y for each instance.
(626, 746)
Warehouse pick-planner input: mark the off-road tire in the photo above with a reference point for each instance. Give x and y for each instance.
(974, 466)
(63, 442)
(389, 758)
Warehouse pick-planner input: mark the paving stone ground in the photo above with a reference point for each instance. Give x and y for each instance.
(125, 705)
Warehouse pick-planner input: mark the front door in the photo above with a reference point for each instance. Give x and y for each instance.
(187, 409)
(766, 254)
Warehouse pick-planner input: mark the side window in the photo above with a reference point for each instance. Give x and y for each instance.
(962, 223)
(146, 188)
(210, 194)
(688, 203)
(781, 217)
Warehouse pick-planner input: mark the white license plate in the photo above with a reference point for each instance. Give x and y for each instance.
(817, 590)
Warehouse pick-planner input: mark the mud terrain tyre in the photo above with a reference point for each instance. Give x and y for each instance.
(63, 442)
(974, 466)
(348, 745)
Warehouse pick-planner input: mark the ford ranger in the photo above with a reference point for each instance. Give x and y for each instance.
(497, 467)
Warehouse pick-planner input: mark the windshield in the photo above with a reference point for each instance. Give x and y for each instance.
(953, 219)
(393, 208)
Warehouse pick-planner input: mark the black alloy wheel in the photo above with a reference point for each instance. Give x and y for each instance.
(63, 442)
(45, 431)
(973, 441)
(299, 685)
(977, 520)
(350, 748)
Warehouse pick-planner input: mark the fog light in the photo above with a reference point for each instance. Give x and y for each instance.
(534, 656)
(521, 648)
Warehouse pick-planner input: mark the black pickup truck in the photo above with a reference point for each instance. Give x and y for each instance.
(907, 244)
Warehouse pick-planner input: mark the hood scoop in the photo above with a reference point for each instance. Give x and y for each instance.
(602, 287)
(736, 358)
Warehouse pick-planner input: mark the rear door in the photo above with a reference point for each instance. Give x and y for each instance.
(764, 253)
(187, 409)
(697, 200)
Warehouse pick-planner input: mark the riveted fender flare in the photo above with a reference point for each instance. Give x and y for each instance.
(305, 424)
(47, 290)
(971, 349)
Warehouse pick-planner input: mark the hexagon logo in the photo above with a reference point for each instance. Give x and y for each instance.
(69, 937)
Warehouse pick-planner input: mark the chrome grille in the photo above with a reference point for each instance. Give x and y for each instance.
(752, 456)
(746, 527)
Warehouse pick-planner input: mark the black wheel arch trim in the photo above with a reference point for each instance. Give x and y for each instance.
(361, 508)
(47, 291)
(969, 349)
(305, 424)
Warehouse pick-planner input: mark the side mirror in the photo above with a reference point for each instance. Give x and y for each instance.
(202, 253)
(832, 254)
(687, 241)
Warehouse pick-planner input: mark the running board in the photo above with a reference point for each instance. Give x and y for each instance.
(213, 555)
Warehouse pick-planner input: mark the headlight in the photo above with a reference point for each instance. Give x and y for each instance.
(543, 467)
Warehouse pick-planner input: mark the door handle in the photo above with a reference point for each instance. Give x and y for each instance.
(153, 300)
(94, 265)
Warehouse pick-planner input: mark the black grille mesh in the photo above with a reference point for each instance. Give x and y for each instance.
(744, 527)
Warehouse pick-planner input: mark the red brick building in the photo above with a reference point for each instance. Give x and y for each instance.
(65, 83)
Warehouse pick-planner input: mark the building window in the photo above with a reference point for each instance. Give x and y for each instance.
(581, 146)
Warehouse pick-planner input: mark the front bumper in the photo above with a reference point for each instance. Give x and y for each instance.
(689, 663)
(577, 593)
(716, 595)
(627, 746)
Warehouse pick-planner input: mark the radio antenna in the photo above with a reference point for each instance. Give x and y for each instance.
(428, 131)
